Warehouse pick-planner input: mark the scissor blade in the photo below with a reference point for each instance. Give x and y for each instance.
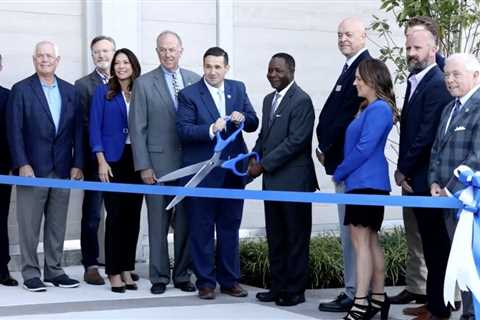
(196, 179)
(183, 172)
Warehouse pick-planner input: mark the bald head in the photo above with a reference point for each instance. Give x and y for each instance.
(352, 36)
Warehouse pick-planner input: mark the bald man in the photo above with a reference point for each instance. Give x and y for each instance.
(337, 113)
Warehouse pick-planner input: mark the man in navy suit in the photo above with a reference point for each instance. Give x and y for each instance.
(425, 98)
(337, 113)
(200, 115)
(102, 48)
(420, 116)
(5, 191)
(44, 131)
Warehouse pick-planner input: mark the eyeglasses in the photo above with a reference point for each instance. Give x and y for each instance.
(167, 50)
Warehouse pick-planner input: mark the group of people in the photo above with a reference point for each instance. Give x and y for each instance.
(116, 125)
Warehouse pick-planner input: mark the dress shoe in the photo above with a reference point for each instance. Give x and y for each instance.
(185, 286)
(8, 281)
(235, 291)
(135, 277)
(416, 311)
(158, 288)
(92, 276)
(342, 303)
(131, 286)
(429, 316)
(406, 297)
(120, 289)
(289, 300)
(206, 293)
(267, 296)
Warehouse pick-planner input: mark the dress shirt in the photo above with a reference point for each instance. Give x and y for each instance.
(463, 100)
(218, 96)
(54, 100)
(168, 75)
(352, 59)
(103, 76)
(415, 79)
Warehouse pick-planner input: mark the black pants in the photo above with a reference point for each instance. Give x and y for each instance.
(436, 249)
(123, 218)
(5, 191)
(288, 227)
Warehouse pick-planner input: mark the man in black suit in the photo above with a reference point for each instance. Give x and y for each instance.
(416, 270)
(102, 48)
(5, 191)
(425, 98)
(337, 113)
(284, 146)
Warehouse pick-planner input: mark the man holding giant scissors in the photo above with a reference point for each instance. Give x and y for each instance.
(202, 108)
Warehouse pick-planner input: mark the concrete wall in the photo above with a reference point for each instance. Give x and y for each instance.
(251, 31)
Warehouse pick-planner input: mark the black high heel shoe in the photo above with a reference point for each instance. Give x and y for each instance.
(358, 311)
(379, 305)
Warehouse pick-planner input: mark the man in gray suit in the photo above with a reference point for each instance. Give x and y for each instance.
(157, 151)
(458, 139)
(102, 48)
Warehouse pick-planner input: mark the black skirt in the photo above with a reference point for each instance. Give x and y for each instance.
(367, 216)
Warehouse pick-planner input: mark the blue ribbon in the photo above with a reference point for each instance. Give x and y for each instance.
(308, 197)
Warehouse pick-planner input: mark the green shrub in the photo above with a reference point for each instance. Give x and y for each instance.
(326, 265)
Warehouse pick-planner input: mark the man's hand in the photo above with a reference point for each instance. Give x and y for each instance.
(219, 125)
(255, 169)
(76, 174)
(320, 156)
(436, 190)
(148, 176)
(26, 171)
(237, 117)
(399, 177)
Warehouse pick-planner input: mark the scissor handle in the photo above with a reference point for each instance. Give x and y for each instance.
(232, 163)
(222, 143)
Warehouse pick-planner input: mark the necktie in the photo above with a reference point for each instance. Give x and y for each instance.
(455, 111)
(275, 103)
(176, 87)
(221, 103)
(345, 67)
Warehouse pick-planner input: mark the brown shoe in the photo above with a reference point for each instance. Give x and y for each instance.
(429, 316)
(92, 276)
(235, 291)
(206, 293)
(416, 311)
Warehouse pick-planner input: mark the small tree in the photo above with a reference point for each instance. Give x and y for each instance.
(458, 21)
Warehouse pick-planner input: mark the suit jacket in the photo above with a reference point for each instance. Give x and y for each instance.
(418, 127)
(31, 131)
(5, 154)
(84, 90)
(155, 142)
(365, 165)
(337, 113)
(108, 124)
(197, 111)
(285, 147)
(460, 145)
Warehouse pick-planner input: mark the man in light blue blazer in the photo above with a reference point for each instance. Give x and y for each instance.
(157, 151)
(44, 131)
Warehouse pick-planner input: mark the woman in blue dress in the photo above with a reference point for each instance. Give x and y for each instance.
(364, 170)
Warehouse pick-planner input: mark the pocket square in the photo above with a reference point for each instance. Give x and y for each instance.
(459, 128)
(278, 116)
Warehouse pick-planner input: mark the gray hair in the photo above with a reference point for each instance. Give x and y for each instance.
(41, 43)
(470, 61)
(166, 32)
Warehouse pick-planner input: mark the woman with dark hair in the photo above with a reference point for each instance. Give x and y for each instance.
(110, 142)
(364, 170)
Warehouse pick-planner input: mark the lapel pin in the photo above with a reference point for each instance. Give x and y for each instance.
(228, 96)
(466, 110)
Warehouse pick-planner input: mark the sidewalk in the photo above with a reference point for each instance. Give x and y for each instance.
(98, 302)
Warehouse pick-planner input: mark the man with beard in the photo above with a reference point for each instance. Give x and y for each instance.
(425, 98)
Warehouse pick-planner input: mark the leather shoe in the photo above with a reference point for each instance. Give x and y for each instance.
(135, 277)
(235, 291)
(185, 286)
(429, 316)
(416, 311)
(267, 296)
(342, 303)
(289, 300)
(92, 276)
(405, 297)
(206, 293)
(158, 288)
(8, 281)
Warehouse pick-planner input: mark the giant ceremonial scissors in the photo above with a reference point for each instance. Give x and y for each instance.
(202, 169)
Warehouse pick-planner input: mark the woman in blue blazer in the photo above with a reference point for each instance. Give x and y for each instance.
(364, 170)
(110, 143)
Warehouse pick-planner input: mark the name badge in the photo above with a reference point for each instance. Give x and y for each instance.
(338, 88)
